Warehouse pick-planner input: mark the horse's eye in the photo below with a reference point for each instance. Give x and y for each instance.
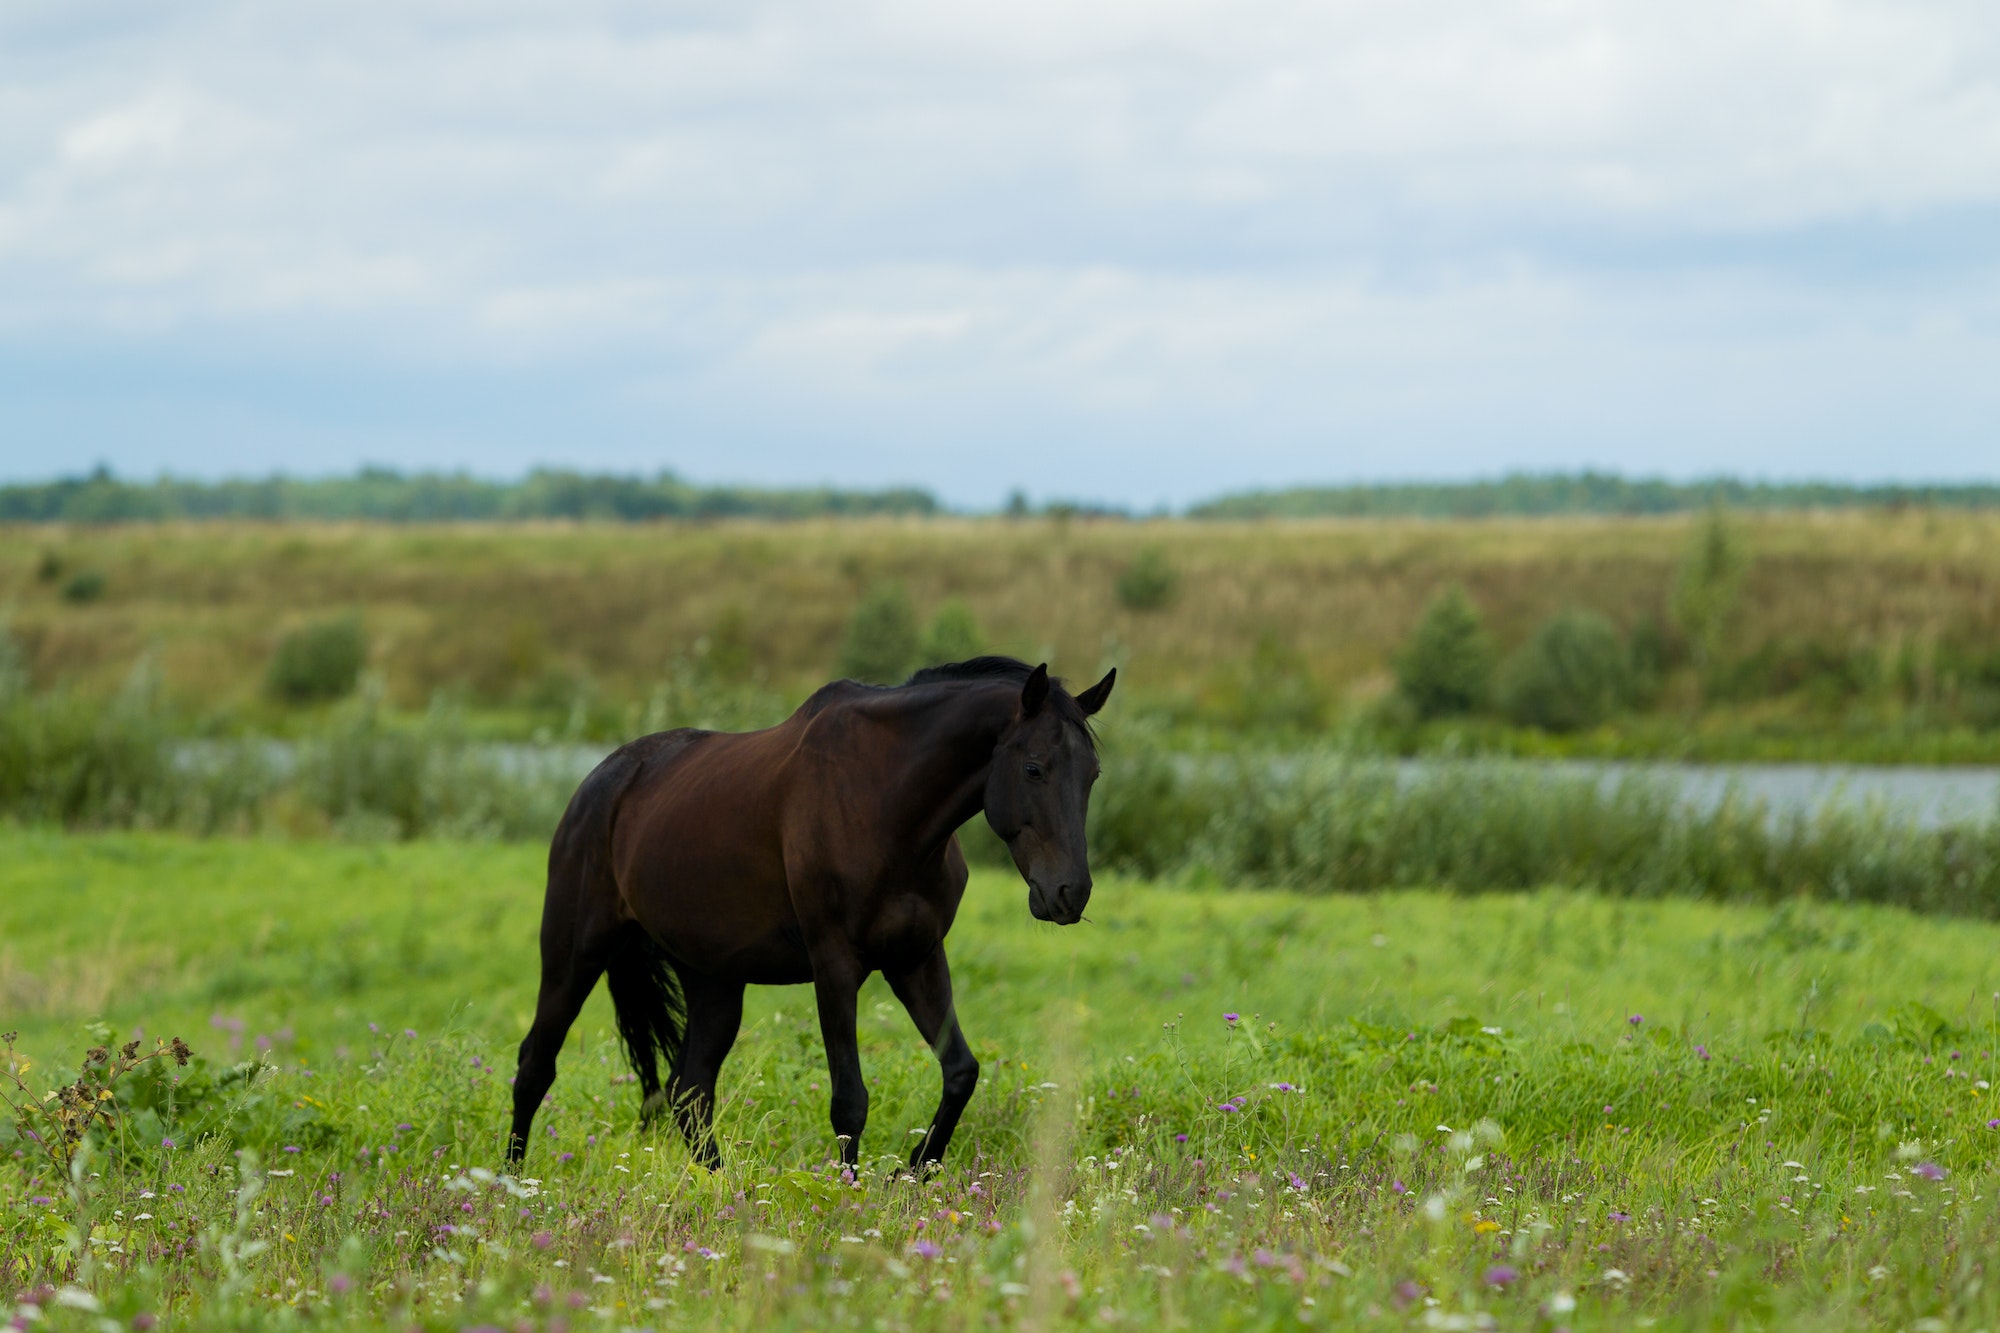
(1034, 772)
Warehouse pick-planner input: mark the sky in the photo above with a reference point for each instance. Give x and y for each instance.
(1134, 251)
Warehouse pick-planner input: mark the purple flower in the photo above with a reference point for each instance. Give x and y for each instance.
(1298, 1181)
(411, 1033)
(1617, 1216)
(1263, 1258)
(1700, 1052)
(143, 1322)
(1399, 1187)
(1635, 1019)
(1226, 1106)
(1993, 1124)
(1407, 1293)
(1182, 1138)
(1284, 1087)
(1230, 1018)
(1501, 1274)
(541, 1240)
(373, 1028)
(291, 1147)
(339, 1284)
(1928, 1170)
(565, 1157)
(168, 1144)
(1609, 1109)
(925, 1249)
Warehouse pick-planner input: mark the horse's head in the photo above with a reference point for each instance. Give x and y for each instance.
(1038, 793)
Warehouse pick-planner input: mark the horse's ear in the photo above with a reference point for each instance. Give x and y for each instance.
(1093, 698)
(1035, 691)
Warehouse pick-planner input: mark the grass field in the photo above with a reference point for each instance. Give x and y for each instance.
(1853, 628)
(1520, 1111)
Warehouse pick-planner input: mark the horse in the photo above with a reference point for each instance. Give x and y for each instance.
(690, 864)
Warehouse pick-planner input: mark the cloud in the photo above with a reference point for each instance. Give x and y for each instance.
(1498, 232)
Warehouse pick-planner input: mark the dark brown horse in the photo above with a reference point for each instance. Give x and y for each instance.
(691, 863)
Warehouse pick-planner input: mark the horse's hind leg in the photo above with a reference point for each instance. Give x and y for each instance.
(925, 991)
(714, 1015)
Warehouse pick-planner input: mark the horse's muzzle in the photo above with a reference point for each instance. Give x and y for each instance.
(1063, 904)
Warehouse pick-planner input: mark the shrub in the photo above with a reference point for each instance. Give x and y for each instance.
(83, 587)
(953, 634)
(1447, 666)
(1573, 674)
(1149, 583)
(319, 661)
(881, 644)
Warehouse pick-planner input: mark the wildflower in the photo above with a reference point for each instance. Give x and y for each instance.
(566, 1157)
(1284, 1087)
(411, 1033)
(1182, 1138)
(1231, 1018)
(143, 1322)
(1406, 1294)
(1617, 1216)
(1226, 1106)
(1635, 1019)
(1609, 1109)
(1993, 1124)
(1399, 1187)
(1500, 1275)
(291, 1147)
(925, 1249)
(168, 1144)
(339, 1284)
(404, 1128)
(541, 1240)
(1700, 1052)
(1928, 1170)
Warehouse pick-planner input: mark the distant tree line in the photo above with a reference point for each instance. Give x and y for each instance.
(1525, 494)
(386, 495)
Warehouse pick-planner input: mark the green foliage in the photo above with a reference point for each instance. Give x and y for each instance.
(953, 634)
(1447, 666)
(881, 646)
(382, 494)
(1149, 583)
(1573, 674)
(84, 587)
(1549, 494)
(318, 661)
(1707, 587)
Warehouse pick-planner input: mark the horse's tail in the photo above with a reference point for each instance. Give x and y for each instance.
(652, 1011)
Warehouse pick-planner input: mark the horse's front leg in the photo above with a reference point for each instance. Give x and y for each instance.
(837, 978)
(925, 991)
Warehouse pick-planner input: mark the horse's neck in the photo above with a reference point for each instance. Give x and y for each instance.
(950, 738)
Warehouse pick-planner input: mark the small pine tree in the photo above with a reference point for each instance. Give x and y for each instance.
(1706, 588)
(881, 645)
(1447, 666)
(953, 634)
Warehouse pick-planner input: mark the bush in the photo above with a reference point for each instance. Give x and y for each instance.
(1149, 583)
(319, 661)
(1447, 666)
(881, 645)
(953, 634)
(1572, 675)
(83, 587)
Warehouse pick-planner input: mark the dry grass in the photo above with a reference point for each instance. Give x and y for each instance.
(500, 610)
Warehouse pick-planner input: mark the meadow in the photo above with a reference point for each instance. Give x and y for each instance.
(1253, 1109)
(1859, 634)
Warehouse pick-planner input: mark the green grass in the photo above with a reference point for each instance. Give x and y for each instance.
(1639, 1169)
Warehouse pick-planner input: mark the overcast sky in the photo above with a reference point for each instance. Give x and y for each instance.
(1139, 252)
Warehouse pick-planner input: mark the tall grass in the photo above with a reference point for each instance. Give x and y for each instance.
(1317, 821)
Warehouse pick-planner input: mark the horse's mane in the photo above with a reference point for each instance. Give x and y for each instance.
(994, 667)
